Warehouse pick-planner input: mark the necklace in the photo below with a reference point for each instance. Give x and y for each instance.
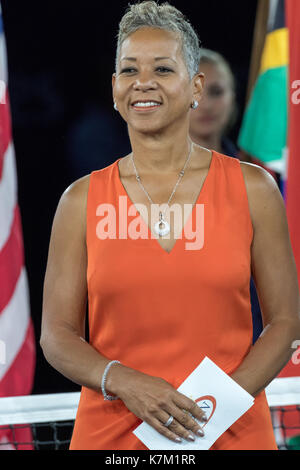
(162, 227)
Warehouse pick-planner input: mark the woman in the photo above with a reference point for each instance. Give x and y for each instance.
(156, 305)
(217, 111)
(211, 121)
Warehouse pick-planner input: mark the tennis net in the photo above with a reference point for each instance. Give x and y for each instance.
(45, 422)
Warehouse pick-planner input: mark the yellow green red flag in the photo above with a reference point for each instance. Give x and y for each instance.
(263, 133)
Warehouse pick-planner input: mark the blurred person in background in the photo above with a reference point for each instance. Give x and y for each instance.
(217, 111)
(210, 124)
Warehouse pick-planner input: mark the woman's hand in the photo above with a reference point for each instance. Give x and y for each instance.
(154, 400)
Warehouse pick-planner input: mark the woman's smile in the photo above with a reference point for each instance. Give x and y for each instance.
(146, 106)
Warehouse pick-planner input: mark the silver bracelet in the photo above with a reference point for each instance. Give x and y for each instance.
(106, 396)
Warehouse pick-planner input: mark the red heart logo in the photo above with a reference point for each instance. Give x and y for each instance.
(208, 404)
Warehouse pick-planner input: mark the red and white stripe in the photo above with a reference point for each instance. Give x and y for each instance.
(17, 360)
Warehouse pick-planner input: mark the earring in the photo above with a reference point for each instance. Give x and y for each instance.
(194, 104)
(115, 106)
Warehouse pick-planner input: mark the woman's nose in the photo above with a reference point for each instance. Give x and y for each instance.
(145, 82)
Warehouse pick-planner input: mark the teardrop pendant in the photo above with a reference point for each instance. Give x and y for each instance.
(165, 229)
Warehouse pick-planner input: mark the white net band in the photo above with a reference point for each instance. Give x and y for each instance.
(63, 406)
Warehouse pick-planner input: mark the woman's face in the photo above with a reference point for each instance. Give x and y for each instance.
(151, 87)
(216, 105)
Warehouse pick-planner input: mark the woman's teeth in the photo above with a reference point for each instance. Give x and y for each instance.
(146, 105)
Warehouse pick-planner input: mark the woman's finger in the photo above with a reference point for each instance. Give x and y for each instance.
(165, 431)
(175, 426)
(185, 420)
(185, 403)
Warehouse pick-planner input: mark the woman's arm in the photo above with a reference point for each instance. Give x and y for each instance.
(275, 275)
(65, 293)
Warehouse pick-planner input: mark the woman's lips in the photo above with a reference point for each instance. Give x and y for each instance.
(145, 108)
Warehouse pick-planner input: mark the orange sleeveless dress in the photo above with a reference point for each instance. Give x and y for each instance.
(162, 313)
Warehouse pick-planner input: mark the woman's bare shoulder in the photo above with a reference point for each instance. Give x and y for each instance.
(75, 195)
(71, 208)
(258, 181)
(264, 196)
(256, 175)
(78, 189)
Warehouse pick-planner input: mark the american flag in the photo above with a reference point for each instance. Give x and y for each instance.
(17, 343)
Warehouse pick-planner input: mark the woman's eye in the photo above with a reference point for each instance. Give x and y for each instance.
(128, 70)
(216, 91)
(163, 69)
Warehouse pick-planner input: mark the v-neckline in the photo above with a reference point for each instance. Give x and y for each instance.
(150, 233)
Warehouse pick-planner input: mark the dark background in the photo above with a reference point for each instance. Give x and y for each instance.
(60, 61)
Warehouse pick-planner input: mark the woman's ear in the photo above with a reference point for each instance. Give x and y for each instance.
(113, 80)
(199, 80)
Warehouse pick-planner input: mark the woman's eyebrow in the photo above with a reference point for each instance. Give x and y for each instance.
(156, 58)
(129, 58)
(164, 58)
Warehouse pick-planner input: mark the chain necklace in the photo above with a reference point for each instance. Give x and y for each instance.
(162, 227)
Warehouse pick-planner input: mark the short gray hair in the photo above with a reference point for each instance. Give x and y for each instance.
(166, 17)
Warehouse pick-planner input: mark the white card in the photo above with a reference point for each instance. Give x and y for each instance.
(222, 399)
